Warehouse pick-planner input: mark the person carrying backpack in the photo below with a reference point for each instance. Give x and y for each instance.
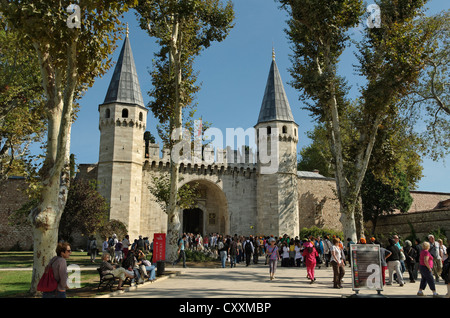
(112, 246)
(92, 248)
(248, 250)
(140, 243)
(58, 266)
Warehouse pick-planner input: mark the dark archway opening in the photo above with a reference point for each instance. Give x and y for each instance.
(193, 221)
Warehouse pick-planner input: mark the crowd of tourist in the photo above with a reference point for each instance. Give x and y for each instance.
(429, 258)
(398, 259)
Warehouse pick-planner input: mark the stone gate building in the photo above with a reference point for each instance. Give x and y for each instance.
(237, 196)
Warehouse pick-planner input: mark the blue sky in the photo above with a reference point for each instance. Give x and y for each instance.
(233, 76)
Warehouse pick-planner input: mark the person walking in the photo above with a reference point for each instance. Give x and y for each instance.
(327, 245)
(112, 247)
(118, 254)
(410, 260)
(92, 248)
(446, 275)
(320, 248)
(298, 254)
(248, 249)
(181, 251)
(402, 254)
(59, 267)
(337, 262)
(426, 270)
(393, 263)
(125, 245)
(436, 252)
(285, 255)
(348, 248)
(223, 251)
(240, 249)
(444, 250)
(233, 252)
(418, 248)
(309, 255)
(257, 250)
(105, 246)
(273, 255)
(384, 254)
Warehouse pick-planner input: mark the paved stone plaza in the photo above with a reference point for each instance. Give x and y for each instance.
(253, 282)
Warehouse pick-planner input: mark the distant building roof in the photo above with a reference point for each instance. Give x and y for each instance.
(310, 174)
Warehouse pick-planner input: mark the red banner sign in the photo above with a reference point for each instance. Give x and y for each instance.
(159, 247)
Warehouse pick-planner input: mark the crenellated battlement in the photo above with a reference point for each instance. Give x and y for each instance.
(244, 165)
(123, 122)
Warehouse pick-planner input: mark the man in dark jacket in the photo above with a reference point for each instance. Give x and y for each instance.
(393, 263)
(248, 250)
(446, 275)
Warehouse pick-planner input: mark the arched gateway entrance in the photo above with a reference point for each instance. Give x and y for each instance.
(193, 221)
(211, 213)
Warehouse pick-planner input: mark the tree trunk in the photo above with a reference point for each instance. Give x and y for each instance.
(343, 188)
(55, 172)
(45, 221)
(348, 223)
(359, 219)
(173, 213)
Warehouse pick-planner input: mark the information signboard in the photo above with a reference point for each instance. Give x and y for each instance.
(159, 247)
(366, 267)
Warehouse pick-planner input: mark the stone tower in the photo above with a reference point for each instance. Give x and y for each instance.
(277, 138)
(122, 123)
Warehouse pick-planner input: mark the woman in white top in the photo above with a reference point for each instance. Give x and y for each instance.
(443, 249)
(298, 254)
(337, 262)
(285, 255)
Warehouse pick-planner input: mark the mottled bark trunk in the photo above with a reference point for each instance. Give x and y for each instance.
(173, 213)
(55, 172)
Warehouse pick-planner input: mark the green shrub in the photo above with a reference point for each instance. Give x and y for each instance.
(198, 256)
(322, 232)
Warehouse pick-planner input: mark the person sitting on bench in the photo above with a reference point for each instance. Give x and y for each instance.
(106, 268)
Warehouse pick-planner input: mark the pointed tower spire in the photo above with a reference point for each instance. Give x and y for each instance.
(275, 104)
(124, 86)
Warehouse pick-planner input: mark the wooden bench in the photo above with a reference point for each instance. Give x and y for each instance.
(108, 280)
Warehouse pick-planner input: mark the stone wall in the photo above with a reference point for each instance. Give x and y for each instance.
(317, 203)
(230, 206)
(423, 222)
(12, 197)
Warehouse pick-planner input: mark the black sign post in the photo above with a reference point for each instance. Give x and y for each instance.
(366, 267)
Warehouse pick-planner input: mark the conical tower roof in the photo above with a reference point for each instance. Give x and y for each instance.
(124, 86)
(275, 105)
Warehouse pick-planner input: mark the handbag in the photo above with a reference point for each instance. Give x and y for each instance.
(47, 283)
